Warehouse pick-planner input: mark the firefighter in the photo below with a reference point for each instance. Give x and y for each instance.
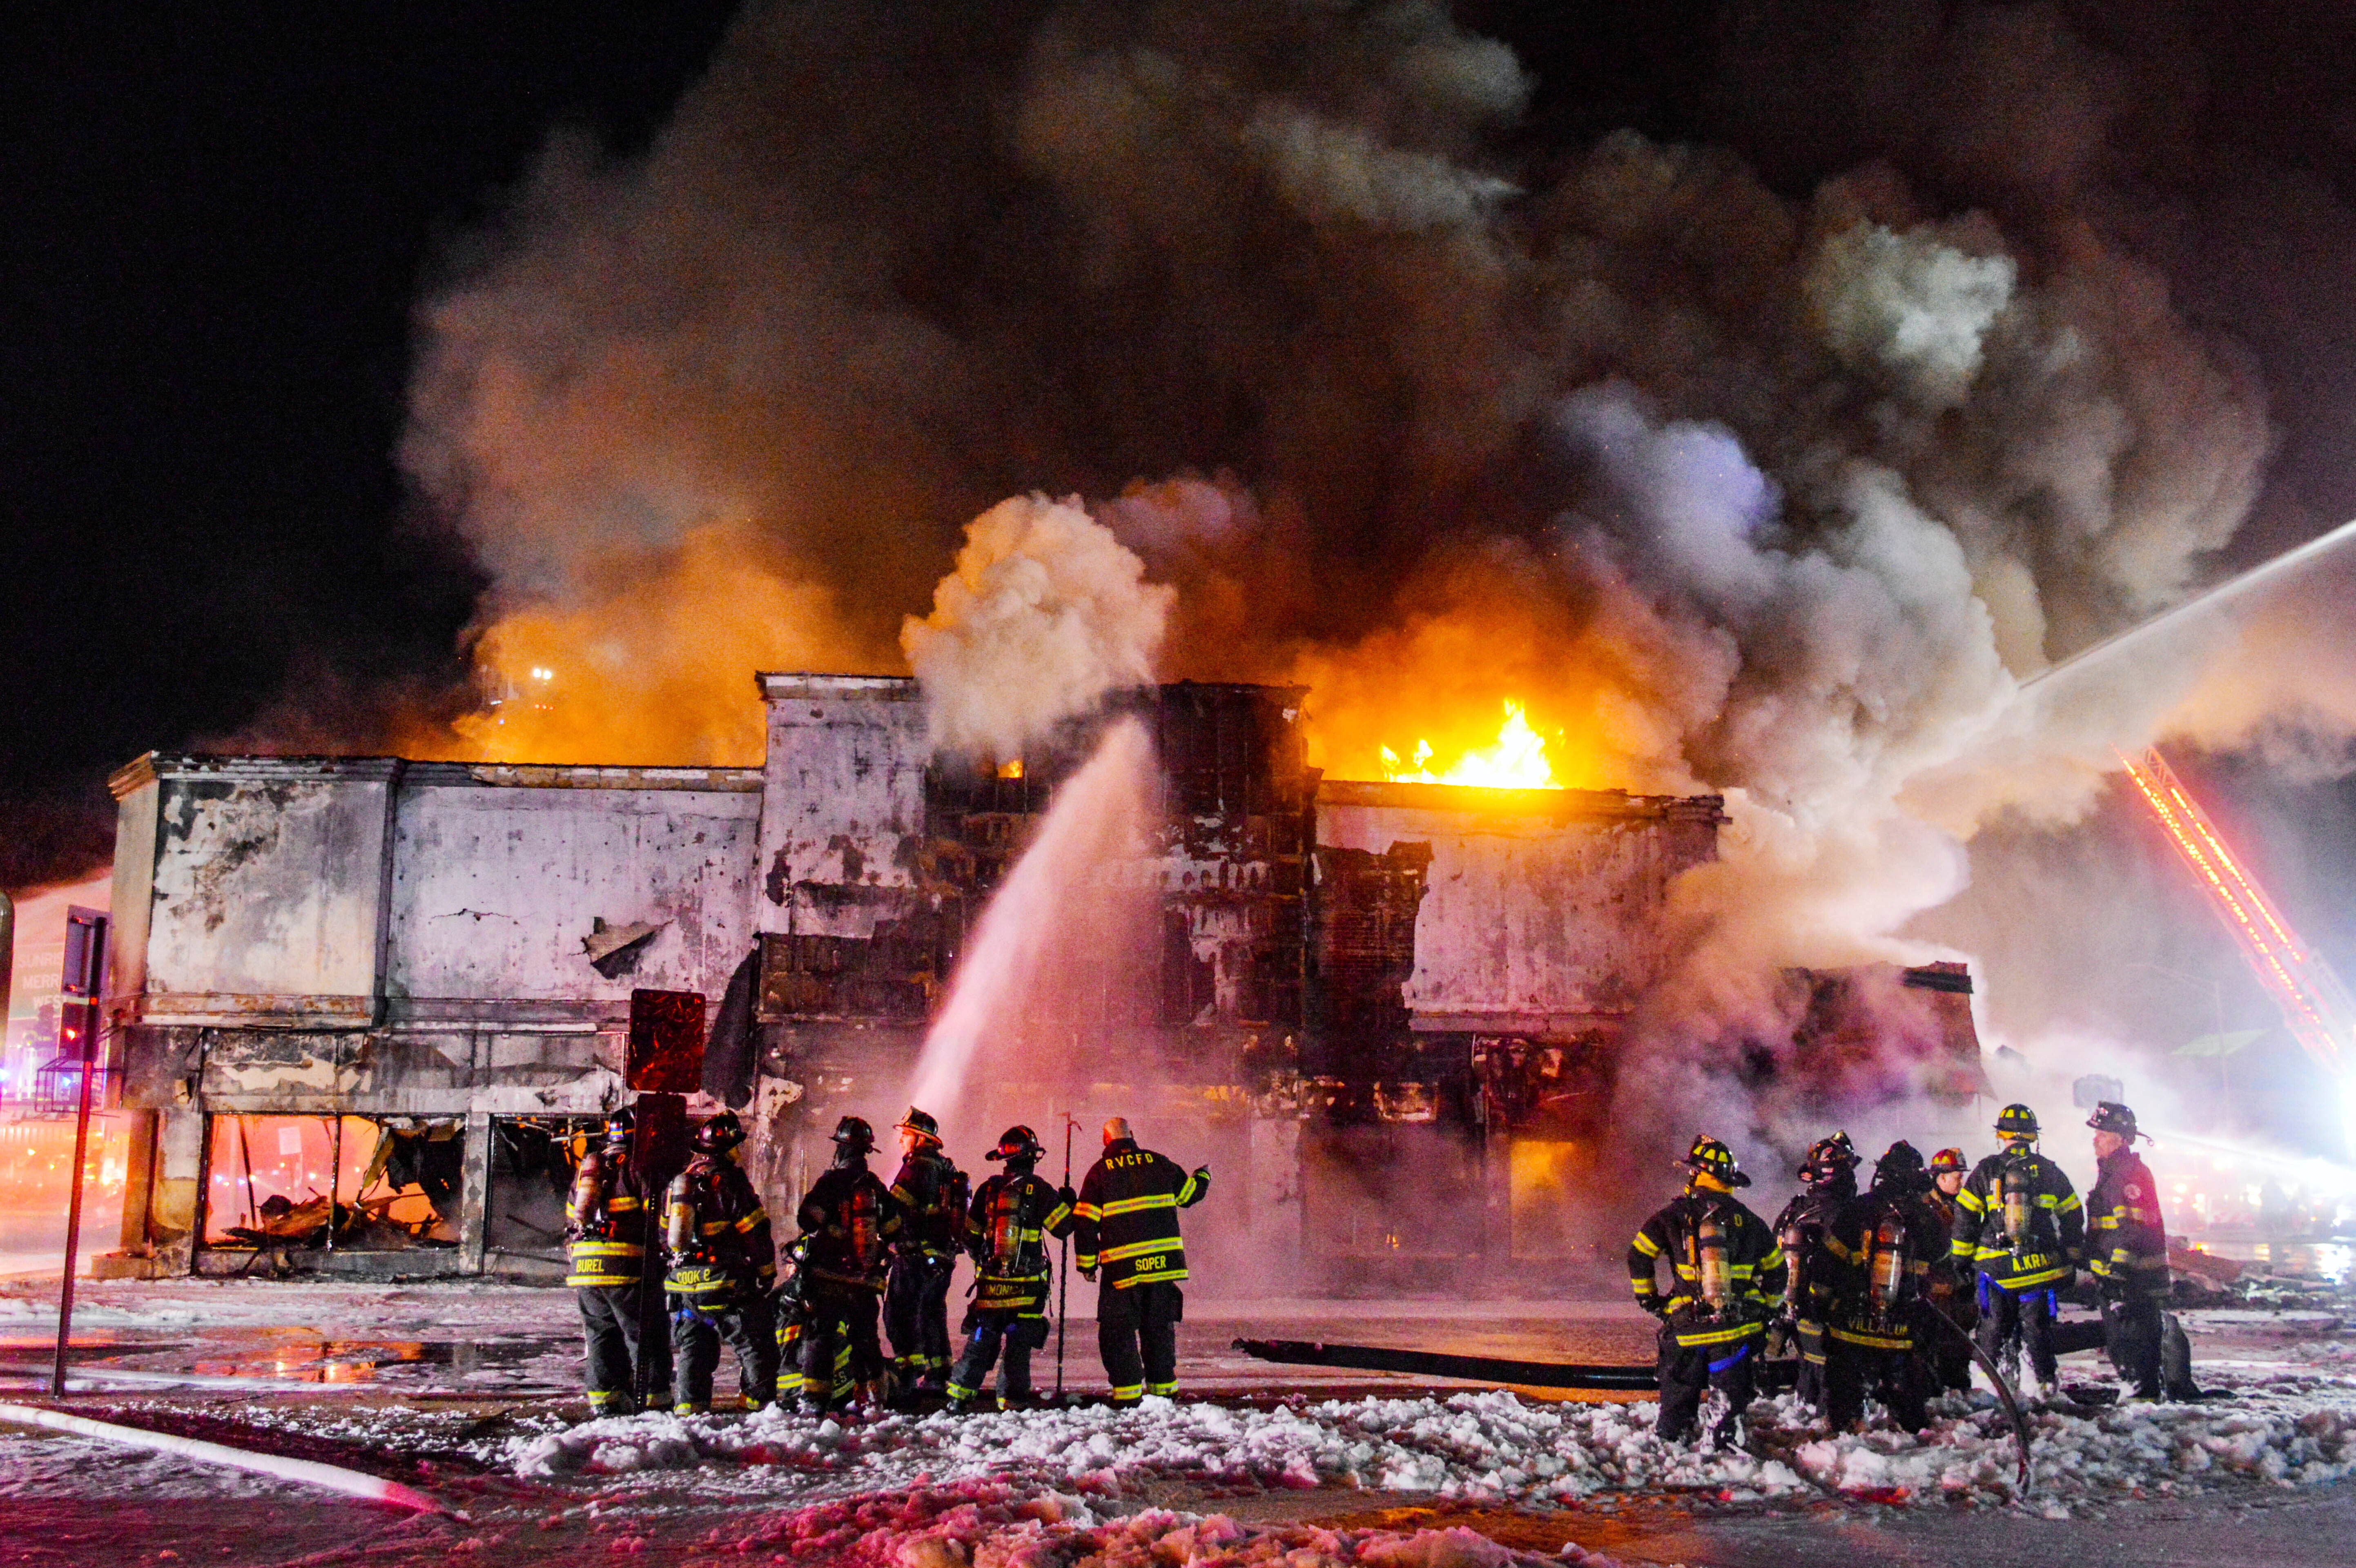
(1128, 1214)
(1949, 1290)
(2127, 1251)
(1715, 1314)
(1006, 1230)
(933, 1196)
(606, 1224)
(1871, 1278)
(722, 1263)
(848, 1220)
(1829, 1175)
(2022, 1229)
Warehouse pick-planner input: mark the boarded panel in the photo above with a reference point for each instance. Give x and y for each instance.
(666, 1053)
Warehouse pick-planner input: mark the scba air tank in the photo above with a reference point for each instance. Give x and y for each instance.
(1710, 1263)
(2017, 1204)
(1888, 1276)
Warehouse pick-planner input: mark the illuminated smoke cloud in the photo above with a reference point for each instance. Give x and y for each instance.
(1735, 489)
(1046, 613)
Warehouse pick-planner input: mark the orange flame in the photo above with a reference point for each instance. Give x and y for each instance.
(1516, 759)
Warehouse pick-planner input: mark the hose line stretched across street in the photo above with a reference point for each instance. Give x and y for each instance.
(308, 1472)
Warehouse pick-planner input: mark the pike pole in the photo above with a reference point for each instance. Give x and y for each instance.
(1063, 1263)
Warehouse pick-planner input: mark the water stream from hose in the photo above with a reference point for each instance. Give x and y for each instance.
(1054, 924)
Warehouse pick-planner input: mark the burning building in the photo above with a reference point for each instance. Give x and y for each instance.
(1392, 1015)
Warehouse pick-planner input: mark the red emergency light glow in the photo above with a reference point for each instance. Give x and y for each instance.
(2314, 1003)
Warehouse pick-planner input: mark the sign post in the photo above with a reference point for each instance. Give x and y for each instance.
(78, 1019)
(664, 1064)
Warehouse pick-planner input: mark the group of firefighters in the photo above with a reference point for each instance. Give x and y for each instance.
(865, 1247)
(1894, 1290)
(1879, 1289)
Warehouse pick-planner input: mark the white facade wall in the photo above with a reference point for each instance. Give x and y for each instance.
(494, 889)
(842, 807)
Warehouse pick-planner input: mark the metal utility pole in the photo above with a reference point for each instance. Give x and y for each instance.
(79, 1015)
(7, 965)
(1063, 1267)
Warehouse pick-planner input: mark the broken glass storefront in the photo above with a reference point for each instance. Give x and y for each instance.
(277, 1186)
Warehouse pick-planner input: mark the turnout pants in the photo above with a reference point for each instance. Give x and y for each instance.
(1809, 1382)
(609, 1330)
(2132, 1329)
(1951, 1356)
(2028, 1314)
(1899, 1379)
(1690, 1371)
(916, 1316)
(1137, 1334)
(986, 1333)
(839, 1350)
(744, 1322)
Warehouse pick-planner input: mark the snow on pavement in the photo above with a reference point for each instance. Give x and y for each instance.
(1003, 1526)
(1489, 1447)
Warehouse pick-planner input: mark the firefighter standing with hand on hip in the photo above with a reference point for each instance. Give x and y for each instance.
(848, 1220)
(2021, 1227)
(605, 1216)
(1713, 1321)
(1006, 1230)
(1128, 1214)
(2127, 1251)
(932, 1194)
(722, 1263)
(1873, 1280)
(1829, 1175)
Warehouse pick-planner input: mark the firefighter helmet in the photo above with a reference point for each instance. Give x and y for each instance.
(1017, 1141)
(721, 1134)
(922, 1123)
(619, 1123)
(1828, 1160)
(1900, 1165)
(2110, 1116)
(1947, 1160)
(2016, 1121)
(854, 1133)
(1710, 1157)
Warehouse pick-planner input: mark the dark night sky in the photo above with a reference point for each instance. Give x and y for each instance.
(219, 223)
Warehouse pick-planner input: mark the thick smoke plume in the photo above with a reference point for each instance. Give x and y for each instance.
(1046, 613)
(1739, 490)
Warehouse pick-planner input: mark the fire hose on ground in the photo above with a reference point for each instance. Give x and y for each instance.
(1771, 1377)
(306, 1472)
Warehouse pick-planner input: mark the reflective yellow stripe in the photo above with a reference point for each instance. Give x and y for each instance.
(1871, 1342)
(1188, 1190)
(1134, 1205)
(1085, 1260)
(1087, 1211)
(1056, 1216)
(1692, 1338)
(753, 1220)
(1140, 1248)
(1967, 1199)
(1646, 1246)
